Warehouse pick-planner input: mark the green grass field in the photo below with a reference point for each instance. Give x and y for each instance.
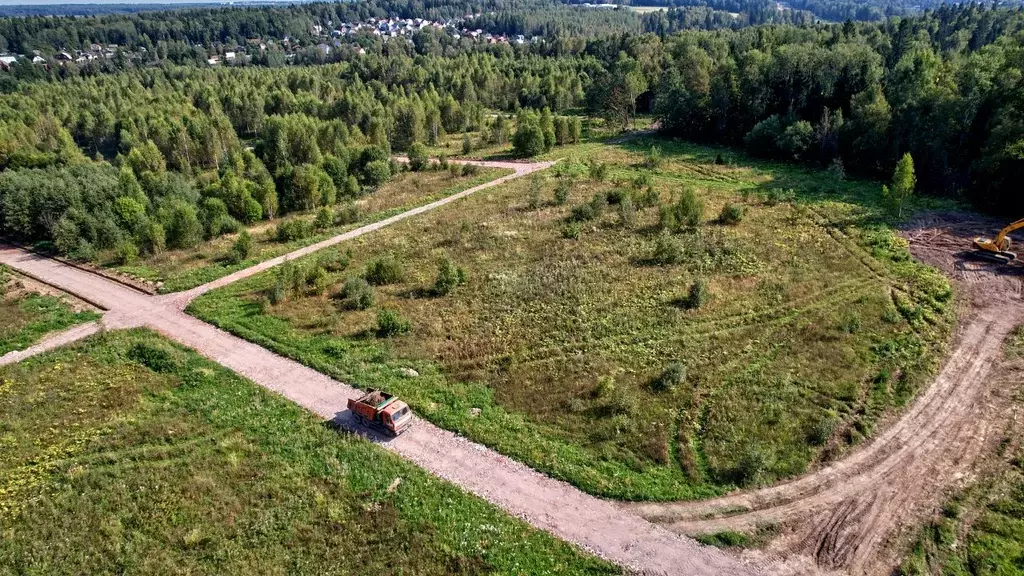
(127, 454)
(183, 269)
(558, 348)
(26, 316)
(981, 530)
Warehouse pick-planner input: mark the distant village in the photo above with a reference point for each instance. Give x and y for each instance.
(326, 38)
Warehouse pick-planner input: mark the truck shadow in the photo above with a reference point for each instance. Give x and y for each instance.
(345, 421)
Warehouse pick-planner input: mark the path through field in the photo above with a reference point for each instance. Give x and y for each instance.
(848, 517)
(594, 524)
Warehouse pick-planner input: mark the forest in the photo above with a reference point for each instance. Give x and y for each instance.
(162, 156)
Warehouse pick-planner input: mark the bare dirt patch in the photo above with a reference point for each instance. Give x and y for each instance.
(855, 515)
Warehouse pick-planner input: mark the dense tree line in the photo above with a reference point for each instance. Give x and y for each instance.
(946, 87)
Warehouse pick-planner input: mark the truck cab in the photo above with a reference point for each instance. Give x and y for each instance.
(396, 416)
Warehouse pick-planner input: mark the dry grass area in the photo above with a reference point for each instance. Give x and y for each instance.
(577, 347)
(179, 270)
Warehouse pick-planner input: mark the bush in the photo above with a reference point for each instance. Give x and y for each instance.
(821, 430)
(751, 466)
(66, 236)
(127, 252)
(648, 198)
(335, 262)
(293, 229)
(667, 250)
(643, 180)
(384, 270)
(377, 172)
(390, 323)
(616, 195)
(562, 190)
(627, 213)
(686, 212)
(418, 158)
(470, 170)
(317, 280)
(183, 227)
(731, 214)
(347, 214)
(534, 200)
(356, 294)
(324, 218)
(241, 249)
(448, 277)
(572, 230)
(528, 140)
(698, 295)
(653, 160)
(719, 160)
(598, 171)
(673, 375)
(153, 357)
(583, 213)
(467, 145)
(455, 169)
(351, 187)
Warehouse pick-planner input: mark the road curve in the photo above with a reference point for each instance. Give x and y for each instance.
(596, 525)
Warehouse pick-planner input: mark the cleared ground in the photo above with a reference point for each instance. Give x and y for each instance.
(176, 270)
(29, 310)
(126, 453)
(819, 324)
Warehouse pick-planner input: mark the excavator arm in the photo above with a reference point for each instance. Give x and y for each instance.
(998, 249)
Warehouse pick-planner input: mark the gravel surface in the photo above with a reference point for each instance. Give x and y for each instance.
(596, 525)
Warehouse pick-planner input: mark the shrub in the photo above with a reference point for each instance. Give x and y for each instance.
(377, 172)
(317, 280)
(627, 212)
(572, 230)
(455, 169)
(241, 249)
(470, 170)
(442, 161)
(653, 159)
(528, 140)
(351, 186)
(686, 212)
(335, 262)
(356, 294)
(821, 430)
(183, 227)
(731, 213)
(390, 323)
(418, 158)
(562, 190)
(448, 276)
(324, 218)
(590, 210)
(643, 180)
(616, 195)
(153, 357)
(127, 252)
(384, 270)
(667, 250)
(66, 236)
(534, 200)
(347, 214)
(648, 198)
(719, 160)
(751, 466)
(598, 171)
(467, 145)
(252, 210)
(673, 375)
(698, 295)
(293, 229)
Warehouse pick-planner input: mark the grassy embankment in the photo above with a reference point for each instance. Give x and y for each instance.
(981, 530)
(183, 269)
(26, 315)
(127, 454)
(577, 348)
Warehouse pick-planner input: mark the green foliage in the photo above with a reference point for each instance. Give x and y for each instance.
(731, 214)
(390, 323)
(449, 276)
(29, 317)
(324, 218)
(384, 270)
(649, 198)
(418, 157)
(698, 295)
(598, 170)
(127, 253)
(528, 140)
(467, 145)
(903, 183)
(627, 212)
(667, 250)
(291, 229)
(572, 230)
(686, 212)
(562, 190)
(183, 227)
(317, 280)
(355, 294)
(534, 200)
(674, 375)
(241, 248)
(377, 172)
(156, 357)
(725, 539)
(653, 159)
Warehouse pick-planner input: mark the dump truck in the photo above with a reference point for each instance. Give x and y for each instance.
(383, 411)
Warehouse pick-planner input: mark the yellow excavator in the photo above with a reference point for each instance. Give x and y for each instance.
(998, 249)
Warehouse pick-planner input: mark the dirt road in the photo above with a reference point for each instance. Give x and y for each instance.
(850, 516)
(594, 524)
